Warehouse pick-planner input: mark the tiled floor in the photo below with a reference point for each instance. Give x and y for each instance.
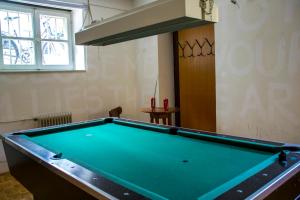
(10, 189)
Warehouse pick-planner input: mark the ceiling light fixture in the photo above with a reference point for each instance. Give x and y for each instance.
(151, 19)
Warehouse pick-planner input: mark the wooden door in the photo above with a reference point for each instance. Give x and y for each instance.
(196, 77)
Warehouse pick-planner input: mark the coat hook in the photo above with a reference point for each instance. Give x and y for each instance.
(191, 47)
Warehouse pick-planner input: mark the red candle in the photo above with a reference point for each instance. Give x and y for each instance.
(166, 104)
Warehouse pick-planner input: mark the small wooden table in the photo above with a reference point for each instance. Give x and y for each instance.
(160, 113)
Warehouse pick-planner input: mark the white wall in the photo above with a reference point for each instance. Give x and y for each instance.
(258, 69)
(166, 68)
(147, 73)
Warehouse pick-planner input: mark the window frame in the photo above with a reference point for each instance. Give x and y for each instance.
(35, 12)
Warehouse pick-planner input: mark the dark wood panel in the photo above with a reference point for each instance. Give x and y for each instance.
(196, 74)
(176, 77)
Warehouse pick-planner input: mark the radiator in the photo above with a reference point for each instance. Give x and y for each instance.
(54, 119)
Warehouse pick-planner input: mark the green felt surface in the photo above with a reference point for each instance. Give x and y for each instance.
(151, 163)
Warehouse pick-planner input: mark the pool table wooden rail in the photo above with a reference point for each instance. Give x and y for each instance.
(32, 164)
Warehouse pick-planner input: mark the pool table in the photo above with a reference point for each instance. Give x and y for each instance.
(114, 158)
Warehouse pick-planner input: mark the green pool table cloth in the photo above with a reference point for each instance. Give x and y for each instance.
(158, 165)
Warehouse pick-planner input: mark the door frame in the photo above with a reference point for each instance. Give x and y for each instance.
(176, 77)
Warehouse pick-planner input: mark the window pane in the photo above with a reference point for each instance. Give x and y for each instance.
(16, 24)
(25, 25)
(3, 23)
(8, 55)
(18, 52)
(53, 27)
(55, 53)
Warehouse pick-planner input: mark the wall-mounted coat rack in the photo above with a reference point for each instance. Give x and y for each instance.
(204, 47)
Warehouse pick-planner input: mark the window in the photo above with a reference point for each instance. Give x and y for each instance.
(35, 38)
